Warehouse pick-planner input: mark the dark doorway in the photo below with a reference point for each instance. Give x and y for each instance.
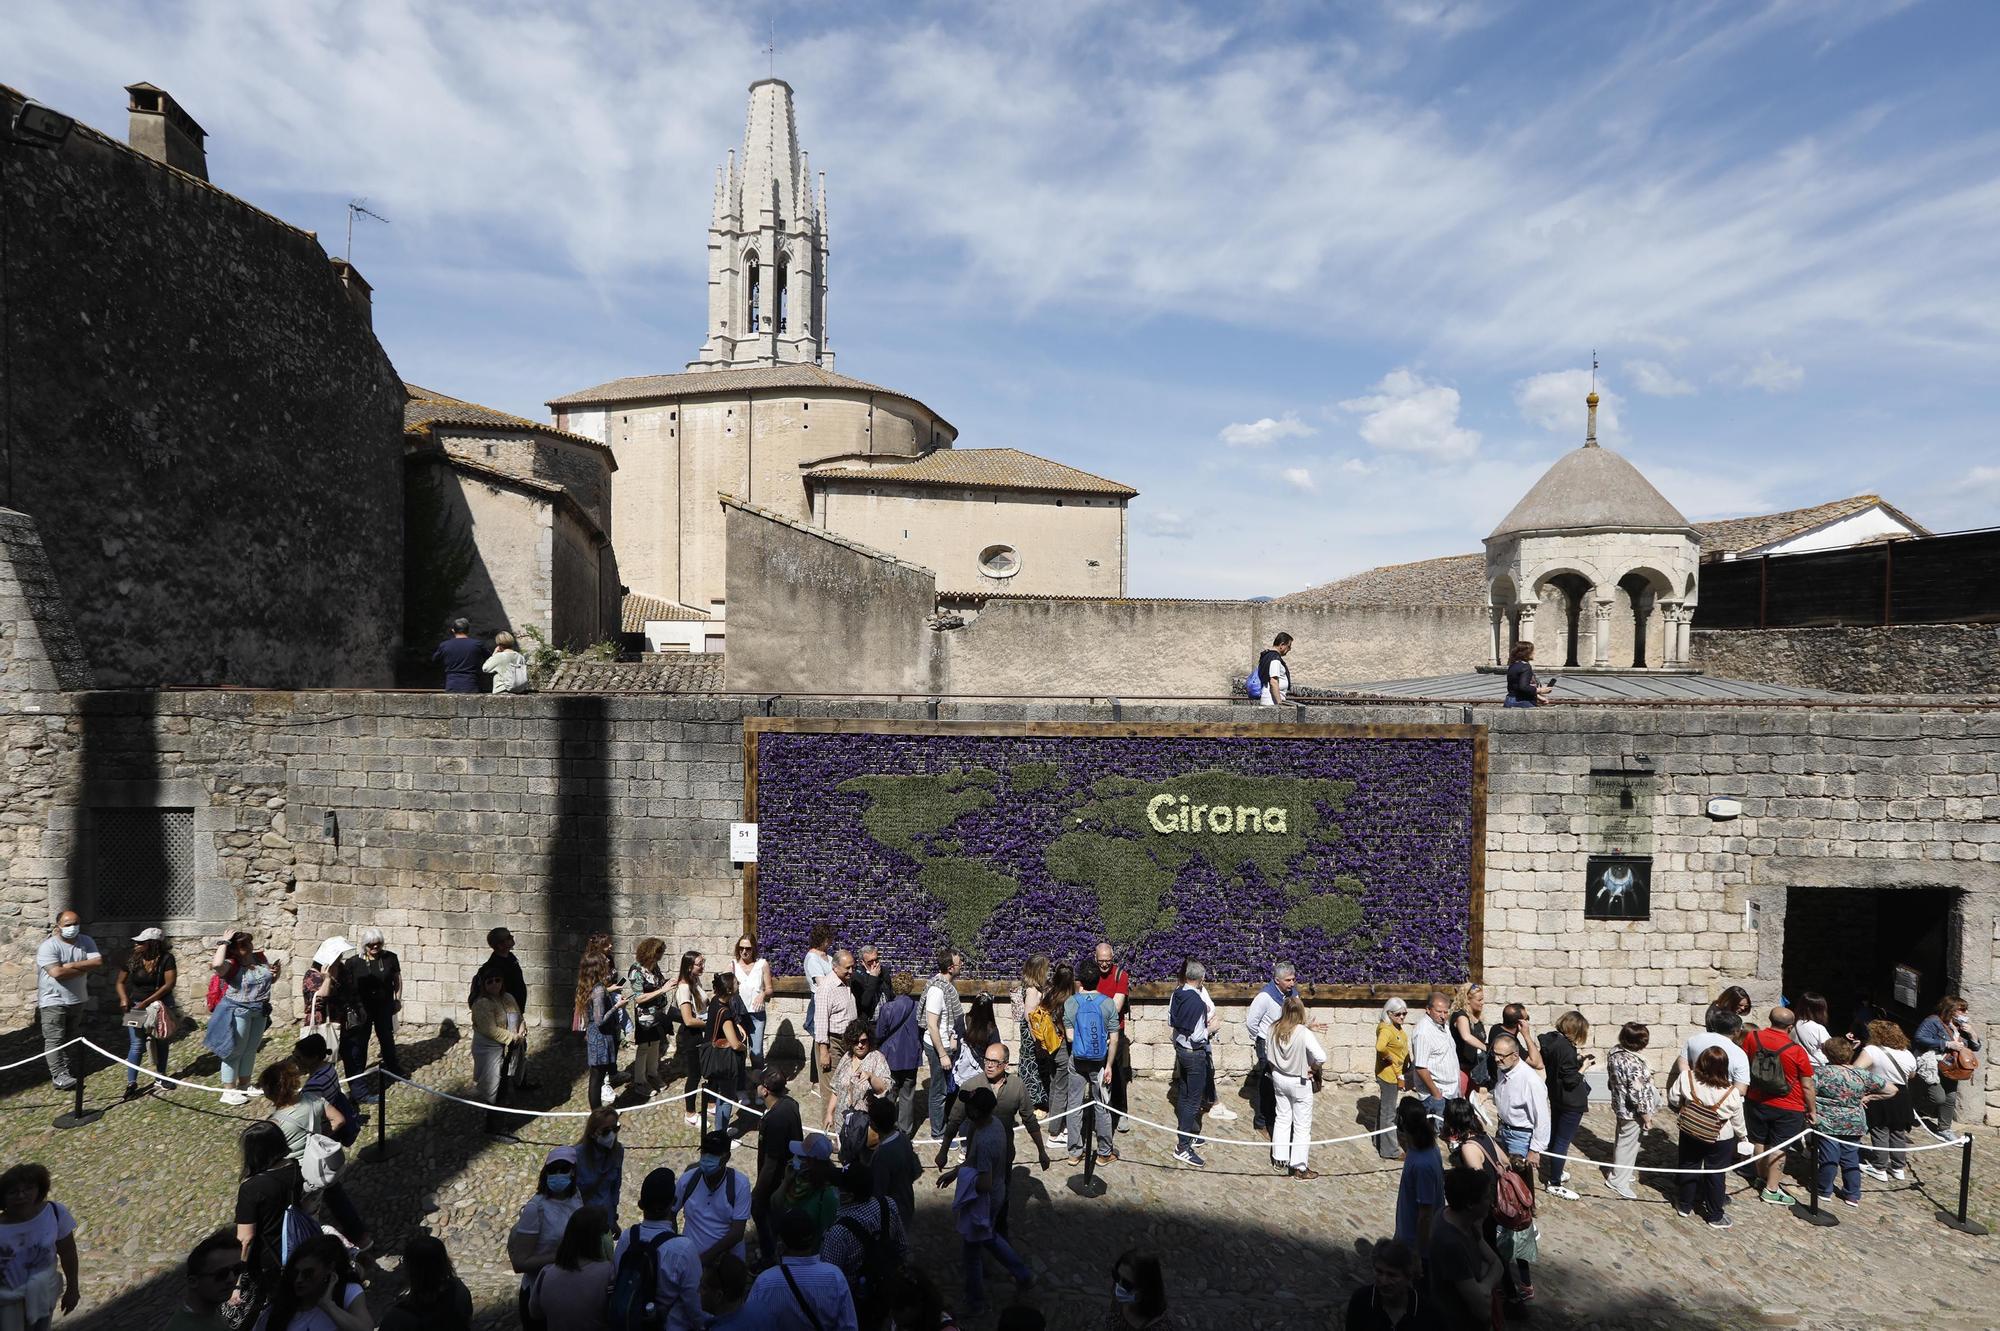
(1847, 944)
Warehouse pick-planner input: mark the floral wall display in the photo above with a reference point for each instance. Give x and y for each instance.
(1349, 854)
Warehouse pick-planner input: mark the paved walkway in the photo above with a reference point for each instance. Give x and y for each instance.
(1247, 1248)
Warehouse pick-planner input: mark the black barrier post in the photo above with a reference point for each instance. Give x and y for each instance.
(78, 1116)
(1959, 1221)
(380, 1150)
(1087, 1184)
(1810, 1212)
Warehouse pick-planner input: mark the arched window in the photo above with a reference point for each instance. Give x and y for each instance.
(754, 278)
(784, 302)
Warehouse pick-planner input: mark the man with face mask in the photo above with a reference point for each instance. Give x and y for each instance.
(63, 964)
(714, 1201)
(676, 1293)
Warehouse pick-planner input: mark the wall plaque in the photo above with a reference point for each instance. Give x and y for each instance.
(1619, 887)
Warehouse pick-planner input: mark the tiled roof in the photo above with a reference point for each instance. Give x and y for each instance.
(638, 608)
(975, 594)
(981, 468)
(1591, 487)
(692, 672)
(1450, 580)
(424, 408)
(429, 451)
(690, 383)
(1734, 534)
(1461, 579)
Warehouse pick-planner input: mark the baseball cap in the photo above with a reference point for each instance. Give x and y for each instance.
(565, 1155)
(813, 1148)
(148, 936)
(657, 1192)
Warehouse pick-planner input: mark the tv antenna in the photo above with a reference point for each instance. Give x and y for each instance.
(771, 49)
(359, 206)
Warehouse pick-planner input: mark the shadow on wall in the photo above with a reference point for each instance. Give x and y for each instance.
(120, 872)
(444, 575)
(576, 880)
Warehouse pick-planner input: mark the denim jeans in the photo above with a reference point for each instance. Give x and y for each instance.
(1840, 1156)
(1065, 1094)
(975, 1266)
(1091, 1077)
(249, 1024)
(1263, 1094)
(136, 1040)
(60, 1022)
(1192, 1067)
(1514, 1141)
(940, 1093)
(1561, 1137)
(757, 1023)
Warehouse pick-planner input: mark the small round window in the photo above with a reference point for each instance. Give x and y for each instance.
(999, 561)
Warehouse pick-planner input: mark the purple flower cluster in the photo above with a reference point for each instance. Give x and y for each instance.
(1403, 834)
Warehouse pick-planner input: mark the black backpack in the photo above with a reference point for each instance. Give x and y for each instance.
(878, 1265)
(1767, 1067)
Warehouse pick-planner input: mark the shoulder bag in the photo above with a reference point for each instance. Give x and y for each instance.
(1703, 1122)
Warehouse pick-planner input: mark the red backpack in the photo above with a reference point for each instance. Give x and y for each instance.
(1513, 1200)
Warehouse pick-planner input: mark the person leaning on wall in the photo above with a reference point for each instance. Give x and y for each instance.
(1523, 689)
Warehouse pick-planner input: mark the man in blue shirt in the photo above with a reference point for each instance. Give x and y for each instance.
(1192, 1025)
(461, 655)
(800, 1293)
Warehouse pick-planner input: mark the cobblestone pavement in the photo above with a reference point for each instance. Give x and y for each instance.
(1246, 1249)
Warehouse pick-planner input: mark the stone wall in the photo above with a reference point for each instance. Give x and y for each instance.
(1069, 545)
(560, 815)
(38, 646)
(202, 424)
(1893, 659)
(1384, 642)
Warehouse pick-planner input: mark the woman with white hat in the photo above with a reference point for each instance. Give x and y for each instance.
(145, 996)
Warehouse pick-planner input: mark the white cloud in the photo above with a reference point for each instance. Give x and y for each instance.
(1445, 17)
(1166, 524)
(1299, 478)
(1554, 401)
(1981, 477)
(1773, 374)
(1357, 467)
(1656, 380)
(1258, 433)
(1407, 414)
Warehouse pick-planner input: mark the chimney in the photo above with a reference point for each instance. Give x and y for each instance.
(357, 289)
(164, 132)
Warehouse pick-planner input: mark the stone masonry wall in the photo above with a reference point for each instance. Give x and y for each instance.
(202, 424)
(1893, 659)
(559, 816)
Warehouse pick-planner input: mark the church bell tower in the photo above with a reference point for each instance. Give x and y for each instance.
(767, 247)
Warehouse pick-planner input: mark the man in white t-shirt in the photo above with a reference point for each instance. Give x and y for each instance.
(943, 1009)
(1434, 1055)
(1271, 670)
(63, 964)
(714, 1201)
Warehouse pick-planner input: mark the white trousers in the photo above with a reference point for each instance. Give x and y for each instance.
(1294, 1125)
(1624, 1155)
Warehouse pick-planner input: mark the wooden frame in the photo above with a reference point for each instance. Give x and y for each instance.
(794, 986)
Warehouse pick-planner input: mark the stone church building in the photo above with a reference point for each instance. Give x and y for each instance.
(883, 469)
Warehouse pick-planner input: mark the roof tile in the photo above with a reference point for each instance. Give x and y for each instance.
(691, 672)
(981, 468)
(638, 608)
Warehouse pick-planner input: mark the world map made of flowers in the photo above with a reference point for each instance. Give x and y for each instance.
(1349, 856)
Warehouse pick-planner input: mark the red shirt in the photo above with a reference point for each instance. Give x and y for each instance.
(1798, 1067)
(1115, 986)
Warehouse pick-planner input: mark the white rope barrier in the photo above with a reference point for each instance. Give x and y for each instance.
(36, 1058)
(1047, 1120)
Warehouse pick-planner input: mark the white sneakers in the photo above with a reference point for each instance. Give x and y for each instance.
(234, 1097)
(1558, 1190)
(1225, 1115)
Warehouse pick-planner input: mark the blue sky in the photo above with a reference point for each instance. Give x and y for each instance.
(1321, 281)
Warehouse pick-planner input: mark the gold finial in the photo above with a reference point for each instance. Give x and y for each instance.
(1590, 431)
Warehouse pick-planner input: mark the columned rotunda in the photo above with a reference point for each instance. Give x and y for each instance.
(1595, 567)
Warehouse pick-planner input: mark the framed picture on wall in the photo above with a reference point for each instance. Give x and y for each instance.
(1618, 887)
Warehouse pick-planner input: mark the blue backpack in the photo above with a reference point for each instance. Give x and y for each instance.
(1253, 686)
(635, 1288)
(1092, 1041)
(297, 1230)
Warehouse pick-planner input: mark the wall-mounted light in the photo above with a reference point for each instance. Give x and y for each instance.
(330, 825)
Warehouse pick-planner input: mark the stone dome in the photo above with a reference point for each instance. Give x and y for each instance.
(1591, 487)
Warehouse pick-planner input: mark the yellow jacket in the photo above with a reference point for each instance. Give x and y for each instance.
(1392, 1051)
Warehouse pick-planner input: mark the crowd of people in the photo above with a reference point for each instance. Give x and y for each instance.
(816, 1232)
